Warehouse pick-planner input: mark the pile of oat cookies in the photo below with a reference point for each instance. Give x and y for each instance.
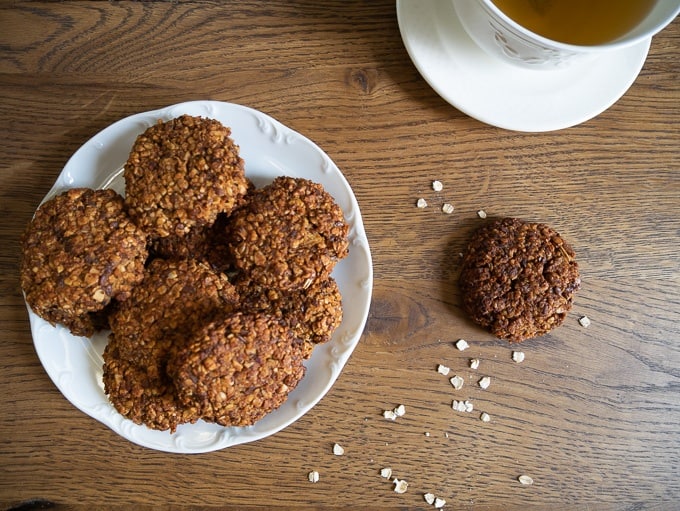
(215, 292)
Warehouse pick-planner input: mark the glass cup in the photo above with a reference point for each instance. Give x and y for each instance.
(501, 37)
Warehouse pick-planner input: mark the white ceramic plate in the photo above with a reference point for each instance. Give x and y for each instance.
(503, 95)
(269, 149)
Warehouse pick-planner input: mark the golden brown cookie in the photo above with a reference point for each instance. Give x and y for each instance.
(288, 234)
(237, 369)
(181, 174)
(80, 252)
(518, 278)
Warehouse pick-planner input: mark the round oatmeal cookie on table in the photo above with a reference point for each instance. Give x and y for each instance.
(238, 369)
(313, 313)
(181, 174)
(80, 252)
(288, 234)
(518, 278)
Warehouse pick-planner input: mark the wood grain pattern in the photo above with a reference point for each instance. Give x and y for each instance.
(592, 415)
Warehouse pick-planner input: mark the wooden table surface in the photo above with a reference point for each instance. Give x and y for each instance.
(592, 414)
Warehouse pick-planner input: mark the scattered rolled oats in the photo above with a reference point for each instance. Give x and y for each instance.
(313, 476)
(474, 363)
(386, 472)
(485, 417)
(447, 208)
(429, 498)
(338, 450)
(462, 344)
(443, 369)
(481, 213)
(437, 186)
(584, 321)
(398, 411)
(525, 480)
(484, 382)
(422, 203)
(439, 503)
(457, 382)
(462, 406)
(400, 486)
(518, 356)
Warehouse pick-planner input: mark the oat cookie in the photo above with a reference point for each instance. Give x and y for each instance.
(288, 234)
(80, 252)
(175, 299)
(143, 393)
(518, 278)
(181, 174)
(237, 369)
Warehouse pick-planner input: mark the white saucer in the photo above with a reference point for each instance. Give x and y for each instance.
(503, 95)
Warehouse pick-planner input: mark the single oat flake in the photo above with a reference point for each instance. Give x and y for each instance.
(386, 472)
(389, 414)
(474, 363)
(526, 480)
(443, 369)
(584, 321)
(484, 382)
(485, 417)
(429, 498)
(447, 208)
(457, 382)
(400, 486)
(462, 344)
(481, 213)
(518, 356)
(422, 203)
(313, 476)
(437, 186)
(338, 450)
(439, 503)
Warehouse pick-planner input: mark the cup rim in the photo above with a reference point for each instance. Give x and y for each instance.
(576, 48)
